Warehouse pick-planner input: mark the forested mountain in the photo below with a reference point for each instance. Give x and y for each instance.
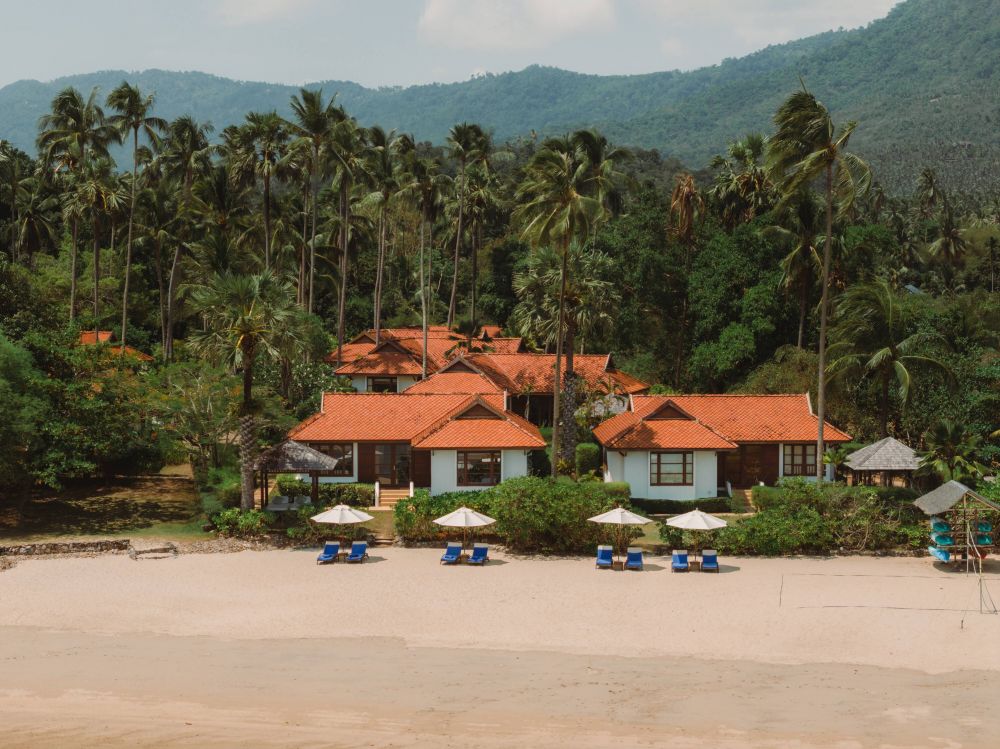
(925, 81)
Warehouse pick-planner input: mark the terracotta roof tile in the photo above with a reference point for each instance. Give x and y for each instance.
(456, 382)
(749, 418)
(536, 372)
(630, 431)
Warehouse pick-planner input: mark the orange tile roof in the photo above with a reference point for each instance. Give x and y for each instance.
(749, 418)
(456, 382)
(490, 331)
(363, 357)
(94, 337)
(425, 420)
(382, 363)
(630, 431)
(536, 372)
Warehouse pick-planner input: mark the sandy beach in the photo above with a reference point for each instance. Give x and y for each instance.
(267, 649)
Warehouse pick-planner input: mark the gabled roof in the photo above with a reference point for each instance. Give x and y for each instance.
(425, 420)
(887, 454)
(94, 337)
(447, 381)
(751, 418)
(651, 431)
(947, 496)
(535, 373)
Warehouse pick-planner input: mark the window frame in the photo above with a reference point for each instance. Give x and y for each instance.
(686, 466)
(328, 448)
(462, 467)
(387, 378)
(800, 451)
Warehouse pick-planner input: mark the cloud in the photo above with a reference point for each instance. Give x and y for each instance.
(246, 12)
(511, 24)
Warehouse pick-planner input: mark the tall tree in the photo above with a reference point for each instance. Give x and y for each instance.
(556, 209)
(465, 144)
(247, 317)
(807, 147)
(133, 116)
(74, 131)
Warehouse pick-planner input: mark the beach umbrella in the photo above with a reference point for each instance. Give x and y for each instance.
(621, 517)
(696, 520)
(342, 515)
(464, 518)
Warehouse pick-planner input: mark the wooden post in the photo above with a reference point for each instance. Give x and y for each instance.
(315, 488)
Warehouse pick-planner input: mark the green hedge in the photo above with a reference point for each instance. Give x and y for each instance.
(356, 495)
(532, 514)
(679, 506)
(801, 517)
(588, 458)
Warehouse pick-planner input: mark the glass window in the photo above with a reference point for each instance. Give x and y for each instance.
(344, 454)
(800, 460)
(671, 469)
(381, 384)
(479, 468)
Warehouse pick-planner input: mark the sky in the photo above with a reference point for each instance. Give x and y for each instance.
(400, 42)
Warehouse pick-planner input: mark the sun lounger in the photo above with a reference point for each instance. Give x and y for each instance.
(633, 559)
(679, 562)
(480, 554)
(452, 554)
(709, 560)
(605, 557)
(329, 554)
(359, 552)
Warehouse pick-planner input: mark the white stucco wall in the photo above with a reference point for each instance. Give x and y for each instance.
(404, 381)
(444, 469)
(633, 467)
(360, 382)
(335, 479)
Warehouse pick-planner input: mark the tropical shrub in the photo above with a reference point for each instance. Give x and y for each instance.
(588, 458)
(248, 524)
(355, 495)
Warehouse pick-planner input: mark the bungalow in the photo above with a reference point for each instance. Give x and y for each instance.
(396, 363)
(440, 441)
(106, 337)
(693, 446)
(529, 378)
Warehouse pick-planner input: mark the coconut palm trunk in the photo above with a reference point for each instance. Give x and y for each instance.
(423, 301)
(557, 380)
(97, 273)
(72, 270)
(267, 221)
(458, 245)
(342, 291)
(128, 241)
(823, 311)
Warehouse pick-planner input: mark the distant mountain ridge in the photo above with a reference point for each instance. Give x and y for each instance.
(923, 82)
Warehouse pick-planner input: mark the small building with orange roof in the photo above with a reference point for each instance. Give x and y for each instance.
(440, 441)
(693, 446)
(106, 338)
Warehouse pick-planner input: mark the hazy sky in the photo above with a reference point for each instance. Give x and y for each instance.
(400, 42)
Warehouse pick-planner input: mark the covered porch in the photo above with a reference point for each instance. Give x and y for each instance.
(289, 457)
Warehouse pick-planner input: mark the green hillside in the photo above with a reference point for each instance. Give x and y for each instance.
(924, 82)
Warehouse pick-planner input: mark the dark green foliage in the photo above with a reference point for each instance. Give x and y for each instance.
(588, 458)
(677, 507)
(800, 518)
(355, 495)
(248, 524)
(532, 514)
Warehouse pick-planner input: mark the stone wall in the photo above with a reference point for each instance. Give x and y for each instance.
(66, 547)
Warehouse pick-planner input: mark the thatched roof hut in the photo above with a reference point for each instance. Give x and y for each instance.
(294, 457)
(883, 461)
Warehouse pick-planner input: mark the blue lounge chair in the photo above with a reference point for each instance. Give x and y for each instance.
(709, 560)
(605, 557)
(329, 554)
(480, 554)
(359, 552)
(633, 559)
(453, 554)
(679, 562)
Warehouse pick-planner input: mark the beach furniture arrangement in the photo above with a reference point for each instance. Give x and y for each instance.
(331, 549)
(709, 560)
(679, 561)
(605, 557)
(961, 524)
(633, 559)
(452, 554)
(359, 552)
(480, 555)
(621, 518)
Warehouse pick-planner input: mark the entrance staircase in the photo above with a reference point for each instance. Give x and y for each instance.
(388, 498)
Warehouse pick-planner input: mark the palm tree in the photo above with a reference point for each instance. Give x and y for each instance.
(254, 151)
(351, 169)
(465, 144)
(481, 200)
(313, 125)
(426, 188)
(246, 317)
(806, 147)
(73, 131)
(801, 221)
(34, 218)
(873, 339)
(556, 209)
(133, 116)
(186, 155)
(950, 244)
(687, 210)
(742, 189)
(96, 193)
(952, 452)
